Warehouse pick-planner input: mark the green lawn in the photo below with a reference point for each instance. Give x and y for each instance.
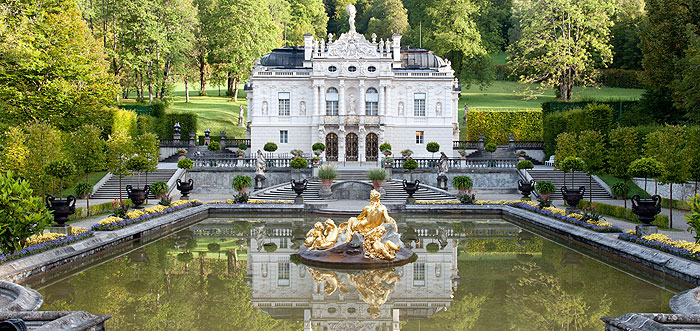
(633, 188)
(220, 113)
(93, 178)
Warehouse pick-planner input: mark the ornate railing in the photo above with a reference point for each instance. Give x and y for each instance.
(460, 163)
(175, 142)
(233, 142)
(465, 144)
(514, 144)
(528, 144)
(209, 161)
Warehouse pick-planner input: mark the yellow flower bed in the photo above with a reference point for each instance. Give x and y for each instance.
(155, 209)
(437, 202)
(555, 210)
(690, 247)
(134, 214)
(270, 201)
(77, 230)
(604, 224)
(576, 216)
(182, 202)
(111, 219)
(42, 238)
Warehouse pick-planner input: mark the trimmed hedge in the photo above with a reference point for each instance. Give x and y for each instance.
(677, 204)
(138, 109)
(620, 78)
(596, 117)
(187, 120)
(125, 121)
(661, 221)
(497, 125)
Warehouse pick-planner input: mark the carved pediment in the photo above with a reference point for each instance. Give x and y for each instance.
(352, 45)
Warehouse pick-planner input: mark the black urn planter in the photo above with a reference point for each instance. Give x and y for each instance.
(299, 188)
(411, 188)
(573, 197)
(138, 196)
(526, 187)
(62, 208)
(185, 187)
(646, 209)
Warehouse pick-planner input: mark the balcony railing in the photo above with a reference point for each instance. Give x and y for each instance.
(465, 144)
(514, 144)
(459, 163)
(208, 161)
(351, 119)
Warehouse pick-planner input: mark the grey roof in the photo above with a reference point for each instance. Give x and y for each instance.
(411, 59)
(288, 57)
(420, 59)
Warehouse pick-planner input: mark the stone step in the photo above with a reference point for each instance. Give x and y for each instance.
(110, 190)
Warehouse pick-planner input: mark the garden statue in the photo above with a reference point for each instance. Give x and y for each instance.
(374, 287)
(259, 171)
(443, 164)
(240, 116)
(366, 241)
(351, 17)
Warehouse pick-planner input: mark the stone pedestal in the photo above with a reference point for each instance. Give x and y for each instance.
(298, 199)
(410, 201)
(314, 170)
(442, 182)
(324, 193)
(61, 229)
(259, 182)
(646, 229)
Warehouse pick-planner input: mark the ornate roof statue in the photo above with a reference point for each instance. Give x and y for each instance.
(352, 45)
(351, 16)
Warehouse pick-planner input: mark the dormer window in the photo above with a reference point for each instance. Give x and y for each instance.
(332, 69)
(352, 68)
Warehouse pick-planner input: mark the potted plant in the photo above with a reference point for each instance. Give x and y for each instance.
(181, 151)
(572, 196)
(646, 167)
(646, 209)
(315, 159)
(159, 189)
(462, 152)
(377, 176)
(432, 147)
(464, 185)
(270, 147)
(410, 164)
(62, 208)
(618, 190)
(299, 163)
(521, 154)
(137, 195)
(388, 161)
(544, 190)
(525, 187)
(240, 183)
(385, 148)
(185, 187)
(83, 190)
(242, 147)
(318, 148)
(327, 174)
(406, 153)
(297, 152)
(491, 148)
(214, 146)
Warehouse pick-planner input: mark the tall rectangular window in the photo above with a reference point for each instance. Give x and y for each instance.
(283, 274)
(332, 102)
(419, 274)
(284, 105)
(371, 102)
(419, 104)
(419, 137)
(284, 136)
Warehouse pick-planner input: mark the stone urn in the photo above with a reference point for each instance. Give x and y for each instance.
(646, 209)
(138, 196)
(185, 187)
(526, 187)
(62, 208)
(299, 188)
(411, 188)
(573, 197)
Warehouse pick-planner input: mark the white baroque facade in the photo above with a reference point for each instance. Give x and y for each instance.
(352, 94)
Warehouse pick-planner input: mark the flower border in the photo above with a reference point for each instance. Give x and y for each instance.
(664, 247)
(567, 219)
(128, 221)
(45, 246)
(252, 202)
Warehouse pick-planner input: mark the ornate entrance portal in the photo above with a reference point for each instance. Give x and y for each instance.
(332, 147)
(372, 147)
(351, 147)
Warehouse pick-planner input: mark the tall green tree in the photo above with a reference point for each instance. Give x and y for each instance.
(51, 68)
(493, 20)
(14, 151)
(306, 16)
(629, 18)
(692, 153)
(120, 148)
(687, 91)
(593, 154)
(46, 144)
(562, 42)
(386, 17)
(623, 141)
(87, 152)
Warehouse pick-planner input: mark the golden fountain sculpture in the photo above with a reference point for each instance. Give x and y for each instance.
(370, 225)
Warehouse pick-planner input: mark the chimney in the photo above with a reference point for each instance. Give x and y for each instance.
(308, 46)
(396, 49)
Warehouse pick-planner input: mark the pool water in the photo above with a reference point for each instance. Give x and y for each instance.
(238, 274)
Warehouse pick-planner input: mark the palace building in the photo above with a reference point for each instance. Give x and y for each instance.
(352, 94)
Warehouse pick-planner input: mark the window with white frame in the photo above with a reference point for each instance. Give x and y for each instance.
(332, 102)
(419, 104)
(283, 101)
(371, 102)
(419, 274)
(284, 136)
(283, 274)
(419, 137)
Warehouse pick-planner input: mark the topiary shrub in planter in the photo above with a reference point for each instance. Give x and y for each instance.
(490, 147)
(406, 153)
(646, 167)
(185, 187)
(299, 163)
(432, 248)
(270, 247)
(545, 189)
(242, 147)
(524, 165)
(377, 176)
(60, 169)
(240, 183)
(214, 146)
(432, 147)
(318, 147)
(23, 215)
(464, 185)
(270, 147)
(297, 152)
(385, 148)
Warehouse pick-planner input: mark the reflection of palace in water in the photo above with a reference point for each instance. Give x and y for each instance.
(288, 291)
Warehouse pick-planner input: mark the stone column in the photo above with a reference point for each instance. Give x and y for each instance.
(192, 141)
(380, 102)
(481, 142)
(341, 98)
(361, 103)
(222, 139)
(341, 145)
(389, 107)
(361, 134)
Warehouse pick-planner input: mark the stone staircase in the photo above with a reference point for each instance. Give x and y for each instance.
(110, 190)
(557, 178)
(394, 190)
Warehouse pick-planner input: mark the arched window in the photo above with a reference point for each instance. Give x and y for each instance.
(371, 102)
(332, 101)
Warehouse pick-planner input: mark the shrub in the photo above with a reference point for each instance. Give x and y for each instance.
(646, 167)
(432, 248)
(98, 209)
(158, 108)
(270, 147)
(571, 164)
(60, 169)
(620, 212)
(376, 174)
(83, 189)
(299, 163)
(297, 152)
(214, 146)
(318, 147)
(187, 120)
(159, 189)
(213, 247)
(491, 147)
(327, 172)
(462, 183)
(241, 182)
(432, 147)
(410, 164)
(524, 164)
(619, 189)
(385, 147)
(407, 152)
(270, 247)
(137, 163)
(185, 163)
(545, 187)
(693, 218)
(23, 215)
(242, 146)
(497, 125)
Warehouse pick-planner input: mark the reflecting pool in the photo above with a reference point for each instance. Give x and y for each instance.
(238, 274)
